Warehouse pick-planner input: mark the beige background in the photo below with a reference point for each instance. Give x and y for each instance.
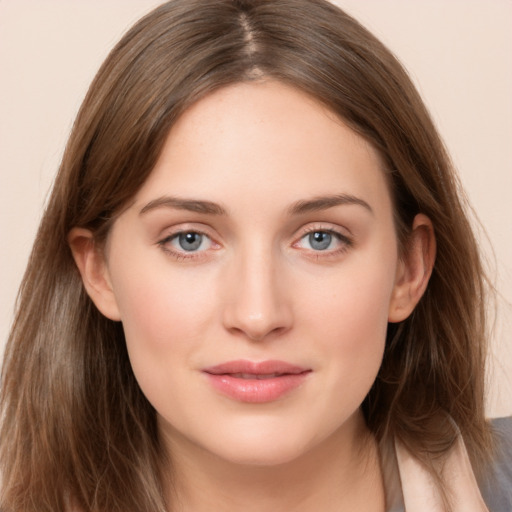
(459, 52)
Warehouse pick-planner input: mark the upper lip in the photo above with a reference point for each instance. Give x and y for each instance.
(255, 368)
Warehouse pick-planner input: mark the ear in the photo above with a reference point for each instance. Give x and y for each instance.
(91, 263)
(413, 270)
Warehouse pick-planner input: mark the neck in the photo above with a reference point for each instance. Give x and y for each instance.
(340, 473)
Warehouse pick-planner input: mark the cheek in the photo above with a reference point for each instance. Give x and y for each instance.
(159, 306)
(164, 315)
(357, 333)
(353, 303)
(163, 321)
(349, 316)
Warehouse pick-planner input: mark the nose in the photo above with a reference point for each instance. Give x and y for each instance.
(258, 304)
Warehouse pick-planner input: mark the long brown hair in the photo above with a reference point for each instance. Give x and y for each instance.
(75, 425)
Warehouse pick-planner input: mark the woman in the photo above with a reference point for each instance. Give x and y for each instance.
(247, 288)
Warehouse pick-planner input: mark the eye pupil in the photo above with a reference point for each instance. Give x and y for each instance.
(320, 240)
(190, 241)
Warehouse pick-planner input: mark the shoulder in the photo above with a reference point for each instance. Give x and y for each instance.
(497, 487)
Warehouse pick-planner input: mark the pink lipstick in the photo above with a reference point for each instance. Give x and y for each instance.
(252, 382)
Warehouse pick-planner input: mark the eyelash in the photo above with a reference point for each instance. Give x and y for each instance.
(345, 241)
(183, 255)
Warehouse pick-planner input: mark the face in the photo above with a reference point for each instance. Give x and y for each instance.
(254, 274)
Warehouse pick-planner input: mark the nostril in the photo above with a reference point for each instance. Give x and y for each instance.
(257, 305)
(258, 334)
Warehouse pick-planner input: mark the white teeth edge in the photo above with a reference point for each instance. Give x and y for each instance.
(253, 376)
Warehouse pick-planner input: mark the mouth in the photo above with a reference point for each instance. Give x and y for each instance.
(256, 376)
(256, 382)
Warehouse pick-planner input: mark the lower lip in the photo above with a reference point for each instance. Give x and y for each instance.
(256, 391)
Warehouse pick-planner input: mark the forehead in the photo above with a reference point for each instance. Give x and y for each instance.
(268, 140)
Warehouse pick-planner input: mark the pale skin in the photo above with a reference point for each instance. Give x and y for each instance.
(264, 232)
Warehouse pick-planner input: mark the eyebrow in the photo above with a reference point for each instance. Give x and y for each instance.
(191, 205)
(325, 202)
(297, 208)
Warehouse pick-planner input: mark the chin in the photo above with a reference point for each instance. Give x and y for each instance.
(272, 454)
(263, 446)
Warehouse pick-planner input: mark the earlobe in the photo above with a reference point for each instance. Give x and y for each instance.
(91, 263)
(413, 270)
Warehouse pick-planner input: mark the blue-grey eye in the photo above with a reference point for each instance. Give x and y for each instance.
(190, 241)
(319, 240)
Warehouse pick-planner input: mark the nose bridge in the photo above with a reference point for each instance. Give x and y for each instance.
(257, 304)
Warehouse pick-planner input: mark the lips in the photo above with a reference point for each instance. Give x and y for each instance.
(258, 376)
(256, 382)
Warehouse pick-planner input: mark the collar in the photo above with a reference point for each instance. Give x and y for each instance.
(410, 487)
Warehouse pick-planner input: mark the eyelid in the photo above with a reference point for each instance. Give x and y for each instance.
(164, 242)
(186, 227)
(342, 232)
(344, 239)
